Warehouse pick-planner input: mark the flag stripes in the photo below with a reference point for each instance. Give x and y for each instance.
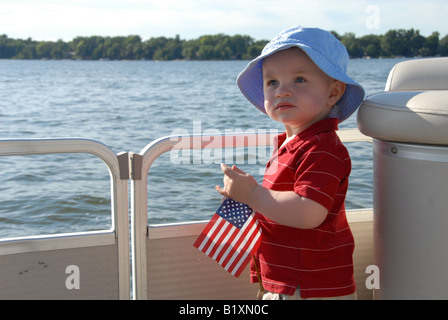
(226, 243)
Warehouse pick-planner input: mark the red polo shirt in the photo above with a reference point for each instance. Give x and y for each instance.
(316, 165)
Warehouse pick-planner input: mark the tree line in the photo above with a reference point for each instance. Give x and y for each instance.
(394, 43)
(400, 42)
(207, 47)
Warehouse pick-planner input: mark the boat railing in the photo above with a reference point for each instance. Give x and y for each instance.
(37, 267)
(157, 261)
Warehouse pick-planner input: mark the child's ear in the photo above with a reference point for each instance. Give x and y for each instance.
(337, 89)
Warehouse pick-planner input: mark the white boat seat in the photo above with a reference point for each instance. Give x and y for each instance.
(414, 107)
(409, 122)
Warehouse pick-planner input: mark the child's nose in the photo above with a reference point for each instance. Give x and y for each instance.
(283, 90)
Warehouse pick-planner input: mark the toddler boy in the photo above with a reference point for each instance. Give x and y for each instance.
(307, 246)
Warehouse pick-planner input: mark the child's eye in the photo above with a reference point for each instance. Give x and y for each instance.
(271, 83)
(300, 80)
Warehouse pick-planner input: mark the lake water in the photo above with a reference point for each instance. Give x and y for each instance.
(126, 105)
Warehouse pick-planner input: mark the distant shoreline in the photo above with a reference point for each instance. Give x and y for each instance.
(393, 44)
(188, 60)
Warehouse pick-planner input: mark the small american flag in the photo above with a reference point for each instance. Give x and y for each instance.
(231, 237)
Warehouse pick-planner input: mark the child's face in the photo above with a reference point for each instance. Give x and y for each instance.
(296, 92)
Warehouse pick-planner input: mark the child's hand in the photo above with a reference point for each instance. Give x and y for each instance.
(238, 184)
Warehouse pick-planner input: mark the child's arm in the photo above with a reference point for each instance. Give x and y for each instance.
(284, 207)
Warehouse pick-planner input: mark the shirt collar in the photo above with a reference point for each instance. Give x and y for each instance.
(329, 124)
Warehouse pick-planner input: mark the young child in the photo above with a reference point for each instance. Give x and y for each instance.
(307, 246)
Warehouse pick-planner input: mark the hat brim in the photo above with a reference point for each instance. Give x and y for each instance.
(250, 82)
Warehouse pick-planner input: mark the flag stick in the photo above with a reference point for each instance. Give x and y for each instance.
(258, 275)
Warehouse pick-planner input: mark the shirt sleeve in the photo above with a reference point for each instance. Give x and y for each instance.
(320, 172)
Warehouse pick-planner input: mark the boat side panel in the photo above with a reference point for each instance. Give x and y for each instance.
(51, 275)
(177, 270)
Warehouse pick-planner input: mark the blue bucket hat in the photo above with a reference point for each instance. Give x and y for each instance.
(327, 52)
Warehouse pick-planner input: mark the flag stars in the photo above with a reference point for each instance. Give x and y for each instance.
(235, 212)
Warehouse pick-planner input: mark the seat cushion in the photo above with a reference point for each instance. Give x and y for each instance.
(406, 116)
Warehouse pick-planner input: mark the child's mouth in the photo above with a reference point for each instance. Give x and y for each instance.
(283, 106)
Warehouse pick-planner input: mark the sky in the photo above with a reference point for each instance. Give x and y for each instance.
(50, 20)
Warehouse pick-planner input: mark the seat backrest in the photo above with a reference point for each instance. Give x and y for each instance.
(419, 74)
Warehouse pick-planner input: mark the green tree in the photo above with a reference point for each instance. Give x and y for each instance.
(114, 51)
(432, 44)
(255, 49)
(43, 50)
(8, 47)
(443, 46)
(402, 42)
(81, 49)
(132, 47)
(414, 42)
(352, 44)
(371, 45)
(59, 50)
(239, 44)
(393, 43)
